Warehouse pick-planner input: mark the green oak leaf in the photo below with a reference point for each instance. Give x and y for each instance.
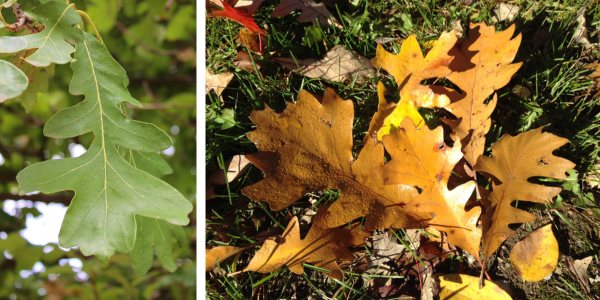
(53, 44)
(12, 81)
(162, 236)
(152, 232)
(109, 192)
(149, 162)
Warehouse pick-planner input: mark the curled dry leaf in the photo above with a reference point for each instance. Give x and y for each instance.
(460, 286)
(409, 68)
(217, 82)
(219, 254)
(536, 256)
(421, 158)
(338, 65)
(482, 64)
(308, 148)
(505, 12)
(514, 160)
(238, 15)
(578, 270)
(311, 12)
(321, 247)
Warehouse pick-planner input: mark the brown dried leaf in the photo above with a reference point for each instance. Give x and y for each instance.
(236, 167)
(311, 12)
(514, 161)
(420, 158)
(595, 76)
(244, 62)
(249, 40)
(338, 65)
(578, 269)
(482, 64)
(217, 82)
(308, 148)
(321, 247)
(250, 5)
(219, 254)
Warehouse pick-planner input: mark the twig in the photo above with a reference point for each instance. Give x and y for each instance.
(23, 21)
(63, 199)
(173, 116)
(142, 43)
(168, 5)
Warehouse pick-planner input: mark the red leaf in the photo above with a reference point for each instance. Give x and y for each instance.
(240, 16)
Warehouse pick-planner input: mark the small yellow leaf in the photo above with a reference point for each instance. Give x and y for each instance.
(463, 287)
(405, 108)
(219, 254)
(536, 256)
(409, 69)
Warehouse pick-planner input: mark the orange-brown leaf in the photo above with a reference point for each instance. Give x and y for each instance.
(420, 158)
(482, 64)
(250, 40)
(219, 254)
(514, 161)
(308, 148)
(238, 15)
(321, 247)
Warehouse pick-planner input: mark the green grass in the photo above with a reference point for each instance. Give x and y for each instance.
(552, 70)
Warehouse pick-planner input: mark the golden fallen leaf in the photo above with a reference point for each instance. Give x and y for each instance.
(337, 65)
(321, 247)
(219, 254)
(536, 256)
(481, 65)
(409, 69)
(308, 148)
(421, 158)
(465, 287)
(514, 160)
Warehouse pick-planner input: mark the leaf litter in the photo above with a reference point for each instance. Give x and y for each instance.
(306, 149)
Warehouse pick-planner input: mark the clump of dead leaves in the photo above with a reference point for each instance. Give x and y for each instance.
(308, 148)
